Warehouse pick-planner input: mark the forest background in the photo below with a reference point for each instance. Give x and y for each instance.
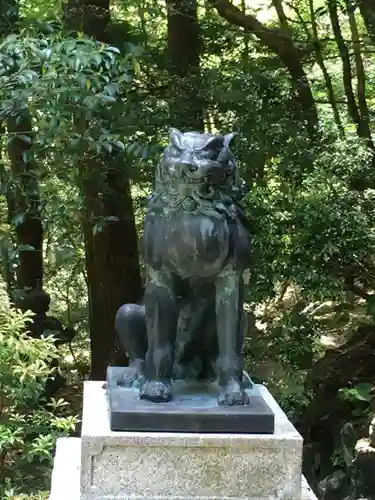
(89, 89)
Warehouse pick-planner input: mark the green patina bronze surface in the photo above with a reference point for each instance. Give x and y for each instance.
(196, 247)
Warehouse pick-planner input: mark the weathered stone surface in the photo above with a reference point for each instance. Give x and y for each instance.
(194, 408)
(66, 472)
(67, 467)
(187, 466)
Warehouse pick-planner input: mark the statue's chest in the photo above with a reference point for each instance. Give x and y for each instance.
(189, 245)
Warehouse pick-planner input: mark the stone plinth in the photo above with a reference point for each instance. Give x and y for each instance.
(186, 466)
(67, 471)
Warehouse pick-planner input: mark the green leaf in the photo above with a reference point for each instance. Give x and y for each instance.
(24, 138)
(119, 145)
(18, 219)
(364, 391)
(112, 89)
(136, 66)
(113, 49)
(27, 76)
(70, 46)
(98, 228)
(26, 248)
(108, 99)
(125, 77)
(97, 59)
(107, 146)
(136, 50)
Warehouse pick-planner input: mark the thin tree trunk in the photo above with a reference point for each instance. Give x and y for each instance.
(326, 75)
(347, 71)
(89, 16)
(367, 8)
(24, 204)
(7, 271)
(278, 4)
(245, 53)
(186, 104)
(257, 173)
(282, 44)
(361, 77)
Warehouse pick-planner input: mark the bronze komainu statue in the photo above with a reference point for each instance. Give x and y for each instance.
(196, 247)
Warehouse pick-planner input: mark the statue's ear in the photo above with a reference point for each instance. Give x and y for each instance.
(175, 136)
(228, 138)
(214, 142)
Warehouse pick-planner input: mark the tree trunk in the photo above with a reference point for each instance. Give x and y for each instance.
(361, 77)
(280, 42)
(89, 16)
(367, 8)
(9, 13)
(326, 75)
(278, 4)
(322, 419)
(186, 105)
(23, 198)
(24, 204)
(111, 242)
(347, 71)
(7, 271)
(111, 255)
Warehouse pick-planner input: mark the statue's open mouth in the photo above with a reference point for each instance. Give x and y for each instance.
(211, 173)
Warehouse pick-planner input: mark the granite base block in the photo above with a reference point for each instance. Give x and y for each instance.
(67, 470)
(193, 409)
(186, 466)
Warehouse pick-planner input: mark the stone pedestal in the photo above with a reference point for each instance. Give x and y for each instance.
(108, 465)
(67, 470)
(185, 466)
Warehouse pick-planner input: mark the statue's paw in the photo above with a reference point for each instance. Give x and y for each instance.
(135, 380)
(156, 391)
(233, 395)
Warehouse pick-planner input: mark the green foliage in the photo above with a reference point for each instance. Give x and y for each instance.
(293, 339)
(64, 83)
(317, 233)
(29, 425)
(360, 392)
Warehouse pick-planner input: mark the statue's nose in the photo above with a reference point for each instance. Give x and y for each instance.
(216, 171)
(189, 165)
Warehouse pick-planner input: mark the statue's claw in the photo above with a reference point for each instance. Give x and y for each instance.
(136, 380)
(156, 391)
(233, 395)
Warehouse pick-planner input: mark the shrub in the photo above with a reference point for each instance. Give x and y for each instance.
(29, 424)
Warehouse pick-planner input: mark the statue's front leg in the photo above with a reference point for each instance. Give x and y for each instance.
(161, 324)
(229, 304)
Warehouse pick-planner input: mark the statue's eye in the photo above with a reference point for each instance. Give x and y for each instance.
(175, 152)
(211, 154)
